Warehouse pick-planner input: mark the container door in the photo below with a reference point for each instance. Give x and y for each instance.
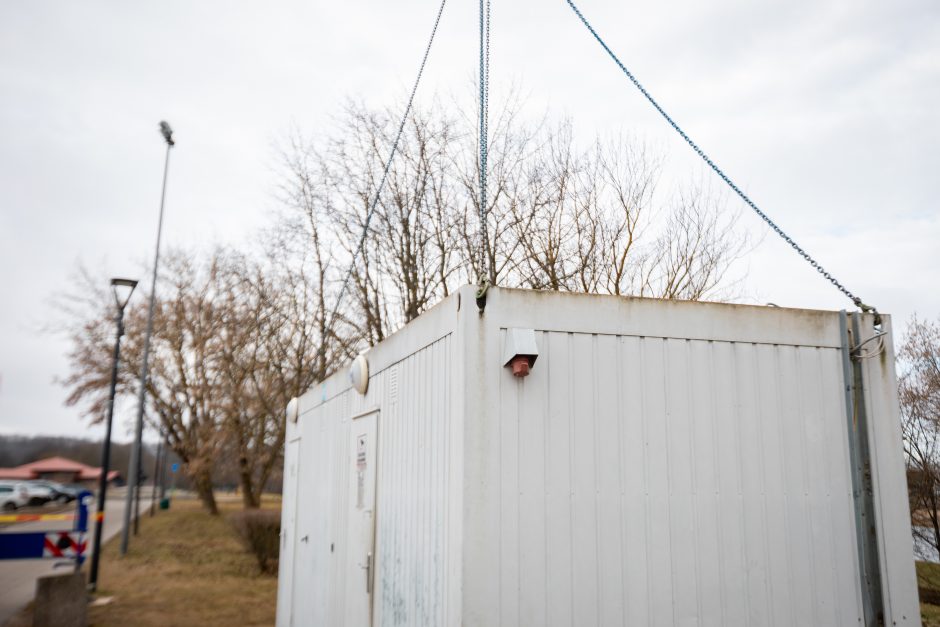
(310, 600)
(360, 558)
(288, 524)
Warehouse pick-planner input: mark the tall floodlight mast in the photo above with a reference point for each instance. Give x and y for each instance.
(133, 471)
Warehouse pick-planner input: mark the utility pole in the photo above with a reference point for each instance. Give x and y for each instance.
(134, 466)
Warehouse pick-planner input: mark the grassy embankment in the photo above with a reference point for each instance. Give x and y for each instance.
(928, 580)
(185, 568)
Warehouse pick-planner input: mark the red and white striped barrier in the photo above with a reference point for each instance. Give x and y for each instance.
(69, 544)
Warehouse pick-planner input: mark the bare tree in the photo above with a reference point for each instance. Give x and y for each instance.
(237, 335)
(919, 393)
(692, 255)
(511, 146)
(274, 346)
(559, 215)
(409, 257)
(182, 384)
(235, 338)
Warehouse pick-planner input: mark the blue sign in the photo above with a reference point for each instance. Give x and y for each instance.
(69, 544)
(174, 467)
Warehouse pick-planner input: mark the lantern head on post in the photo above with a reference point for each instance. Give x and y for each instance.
(520, 352)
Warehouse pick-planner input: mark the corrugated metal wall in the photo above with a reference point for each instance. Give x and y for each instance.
(634, 478)
(653, 481)
(412, 495)
(319, 543)
(412, 488)
(288, 526)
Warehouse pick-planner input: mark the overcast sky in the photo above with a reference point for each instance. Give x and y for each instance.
(826, 112)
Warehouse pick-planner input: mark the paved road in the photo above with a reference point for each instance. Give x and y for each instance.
(18, 577)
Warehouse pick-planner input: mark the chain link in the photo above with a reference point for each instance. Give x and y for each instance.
(485, 272)
(388, 166)
(724, 177)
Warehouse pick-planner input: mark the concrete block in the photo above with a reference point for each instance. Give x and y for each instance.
(61, 601)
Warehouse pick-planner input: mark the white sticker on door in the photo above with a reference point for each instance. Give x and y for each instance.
(360, 470)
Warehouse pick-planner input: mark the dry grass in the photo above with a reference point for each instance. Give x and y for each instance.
(185, 568)
(928, 582)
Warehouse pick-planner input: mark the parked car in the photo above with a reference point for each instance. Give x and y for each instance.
(60, 493)
(38, 494)
(13, 496)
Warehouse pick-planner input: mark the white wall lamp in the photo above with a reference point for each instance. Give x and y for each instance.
(359, 374)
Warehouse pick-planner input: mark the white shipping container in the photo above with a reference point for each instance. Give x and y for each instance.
(663, 463)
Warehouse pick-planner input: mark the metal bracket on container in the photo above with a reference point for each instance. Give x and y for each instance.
(481, 296)
(862, 485)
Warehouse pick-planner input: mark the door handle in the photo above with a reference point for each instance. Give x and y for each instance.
(304, 539)
(368, 569)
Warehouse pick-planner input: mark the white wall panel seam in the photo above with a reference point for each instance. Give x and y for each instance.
(670, 477)
(689, 418)
(518, 489)
(432, 475)
(621, 454)
(445, 495)
(786, 471)
(594, 377)
(765, 526)
(817, 382)
(416, 462)
(499, 491)
(836, 499)
(713, 397)
(735, 349)
(805, 444)
(545, 349)
(570, 420)
(405, 506)
(646, 477)
(433, 414)
(409, 460)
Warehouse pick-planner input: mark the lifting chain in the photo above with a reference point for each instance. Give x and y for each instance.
(724, 177)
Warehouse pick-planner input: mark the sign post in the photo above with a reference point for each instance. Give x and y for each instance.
(174, 468)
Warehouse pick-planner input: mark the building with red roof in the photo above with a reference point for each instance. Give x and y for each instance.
(58, 469)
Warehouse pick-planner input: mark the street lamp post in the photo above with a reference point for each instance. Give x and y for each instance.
(122, 290)
(133, 471)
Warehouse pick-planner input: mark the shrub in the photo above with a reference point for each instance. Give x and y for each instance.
(260, 532)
